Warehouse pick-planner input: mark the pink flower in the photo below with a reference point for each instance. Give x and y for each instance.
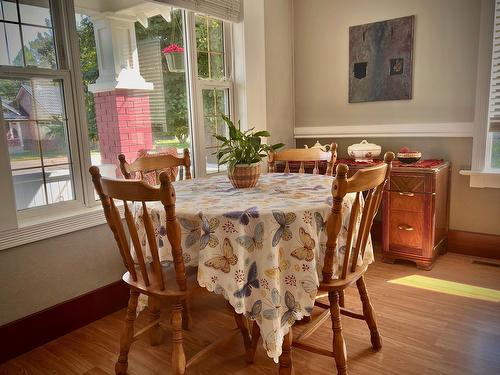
(173, 48)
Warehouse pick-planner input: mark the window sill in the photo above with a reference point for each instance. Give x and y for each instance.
(483, 179)
(40, 228)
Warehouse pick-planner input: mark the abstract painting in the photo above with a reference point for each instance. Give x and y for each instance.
(380, 60)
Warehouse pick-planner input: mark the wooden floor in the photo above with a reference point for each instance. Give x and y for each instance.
(424, 332)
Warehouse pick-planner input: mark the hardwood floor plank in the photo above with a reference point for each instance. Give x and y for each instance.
(424, 332)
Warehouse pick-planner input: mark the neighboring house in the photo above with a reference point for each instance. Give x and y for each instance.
(43, 106)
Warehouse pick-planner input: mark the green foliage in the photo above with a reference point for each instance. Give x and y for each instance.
(90, 71)
(242, 147)
(176, 114)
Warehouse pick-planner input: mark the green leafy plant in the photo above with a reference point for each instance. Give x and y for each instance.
(242, 147)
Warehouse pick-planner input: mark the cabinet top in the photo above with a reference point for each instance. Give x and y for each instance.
(422, 166)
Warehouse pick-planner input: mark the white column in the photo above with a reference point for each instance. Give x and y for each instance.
(117, 57)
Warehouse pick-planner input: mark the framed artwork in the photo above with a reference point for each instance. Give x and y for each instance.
(381, 60)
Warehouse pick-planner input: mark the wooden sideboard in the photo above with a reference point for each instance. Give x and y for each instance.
(415, 214)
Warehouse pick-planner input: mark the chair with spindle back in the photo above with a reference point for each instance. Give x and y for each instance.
(149, 278)
(155, 163)
(303, 155)
(370, 181)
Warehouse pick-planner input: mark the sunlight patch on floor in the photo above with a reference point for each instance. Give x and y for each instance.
(449, 287)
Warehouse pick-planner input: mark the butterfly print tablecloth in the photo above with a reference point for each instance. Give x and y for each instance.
(261, 248)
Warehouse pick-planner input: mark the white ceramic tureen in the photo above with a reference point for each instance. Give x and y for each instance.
(364, 151)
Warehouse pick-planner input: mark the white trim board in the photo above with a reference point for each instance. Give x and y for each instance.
(442, 129)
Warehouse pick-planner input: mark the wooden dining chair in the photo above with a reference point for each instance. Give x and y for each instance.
(149, 166)
(370, 181)
(149, 278)
(303, 155)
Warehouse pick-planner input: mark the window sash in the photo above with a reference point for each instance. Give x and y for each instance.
(64, 77)
(494, 112)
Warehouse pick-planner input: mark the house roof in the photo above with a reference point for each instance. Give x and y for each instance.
(47, 99)
(12, 113)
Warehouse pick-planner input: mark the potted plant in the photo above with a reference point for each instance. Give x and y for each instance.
(175, 57)
(243, 151)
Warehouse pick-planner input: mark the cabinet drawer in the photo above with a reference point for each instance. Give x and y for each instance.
(413, 183)
(406, 229)
(407, 201)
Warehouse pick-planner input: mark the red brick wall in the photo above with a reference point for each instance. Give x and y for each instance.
(124, 124)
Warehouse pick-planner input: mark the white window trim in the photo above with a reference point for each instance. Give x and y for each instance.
(66, 217)
(197, 85)
(481, 174)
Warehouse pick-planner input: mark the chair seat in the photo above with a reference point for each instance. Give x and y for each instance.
(341, 284)
(171, 287)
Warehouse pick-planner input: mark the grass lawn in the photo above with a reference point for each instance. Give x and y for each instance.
(495, 152)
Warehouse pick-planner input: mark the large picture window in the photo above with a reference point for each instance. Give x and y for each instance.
(81, 84)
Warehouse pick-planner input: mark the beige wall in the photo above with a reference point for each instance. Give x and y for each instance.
(279, 70)
(44, 273)
(445, 59)
(444, 84)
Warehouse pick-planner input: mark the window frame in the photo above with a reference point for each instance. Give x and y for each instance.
(197, 85)
(52, 220)
(481, 174)
(62, 74)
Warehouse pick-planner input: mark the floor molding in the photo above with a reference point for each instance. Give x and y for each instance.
(41, 327)
(460, 242)
(476, 244)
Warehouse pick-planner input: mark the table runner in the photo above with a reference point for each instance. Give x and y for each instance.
(261, 248)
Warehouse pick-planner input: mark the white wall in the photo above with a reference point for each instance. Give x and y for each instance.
(264, 68)
(445, 58)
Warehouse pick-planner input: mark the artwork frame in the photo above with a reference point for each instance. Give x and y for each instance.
(381, 60)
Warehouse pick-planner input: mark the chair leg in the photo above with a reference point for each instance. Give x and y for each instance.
(253, 344)
(286, 363)
(178, 356)
(127, 334)
(187, 320)
(338, 339)
(341, 299)
(240, 322)
(155, 335)
(369, 314)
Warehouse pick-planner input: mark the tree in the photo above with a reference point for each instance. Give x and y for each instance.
(90, 71)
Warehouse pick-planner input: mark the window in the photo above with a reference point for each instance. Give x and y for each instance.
(485, 171)
(494, 112)
(214, 87)
(36, 106)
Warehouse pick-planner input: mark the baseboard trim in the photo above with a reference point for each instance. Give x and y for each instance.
(34, 330)
(476, 244)
(460, 242)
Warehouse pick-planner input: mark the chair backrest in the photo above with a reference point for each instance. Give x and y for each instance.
(303, 155)
(137, 191)
(370, 181)
(156, 164)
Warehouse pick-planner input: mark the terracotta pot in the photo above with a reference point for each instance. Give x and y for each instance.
(244, 175)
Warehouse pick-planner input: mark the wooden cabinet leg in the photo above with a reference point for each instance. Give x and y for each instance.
(338, 338)
(424, 266)
(369, 314)
(127, 334)
(286, 363)
(155, 334)
(178, 356)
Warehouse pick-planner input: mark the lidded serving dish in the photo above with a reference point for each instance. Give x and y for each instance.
(364, 151)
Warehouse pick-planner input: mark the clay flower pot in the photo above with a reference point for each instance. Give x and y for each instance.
(244, 175)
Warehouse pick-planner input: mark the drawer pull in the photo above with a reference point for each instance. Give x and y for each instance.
(406, 194)
(405, 227)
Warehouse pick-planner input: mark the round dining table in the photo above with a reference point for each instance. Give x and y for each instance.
(262, 248)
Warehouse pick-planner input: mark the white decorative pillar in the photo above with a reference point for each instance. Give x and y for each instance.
(121, 94)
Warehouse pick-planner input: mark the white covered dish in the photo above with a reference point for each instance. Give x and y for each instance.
(364, 151)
